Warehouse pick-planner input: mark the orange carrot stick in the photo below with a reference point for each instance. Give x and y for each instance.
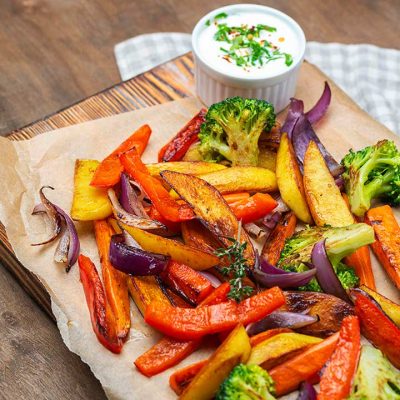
(180, 379)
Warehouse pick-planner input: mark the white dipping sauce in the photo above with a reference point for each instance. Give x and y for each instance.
(286, 38)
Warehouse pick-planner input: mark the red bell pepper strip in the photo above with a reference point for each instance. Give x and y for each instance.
(377, 327)
(179, 145)
(187, 282)
(154, 189)
(109, 170)
(337, 377)
(103, 322)
(190, 324)
(253, 208)
(168, 351)
(289, 375)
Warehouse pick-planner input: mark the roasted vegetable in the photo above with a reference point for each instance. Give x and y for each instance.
(247, 382)
(235, 349)
(329, 309)
(179, 252)
(115, 282)
(276, 240)
(373, 172)
(376, 378)
(337, 376)
(195, 234)
(144, 290)
(154, 189)
(191, 168)
(326, 204)
(189, 323)
(211, 208)
(289, 375)
(279, 348)
(290, 181)
(340, 242)
(376, 326)
(232, 129)
(387, 244)
(392, 310)
(181, 379)
(89, 203)
(175, 149)
(109, 171)
(239, 179)
(101, 315)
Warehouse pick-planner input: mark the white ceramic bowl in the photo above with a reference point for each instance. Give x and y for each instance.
(215, 82)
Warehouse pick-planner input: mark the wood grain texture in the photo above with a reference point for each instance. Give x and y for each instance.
(34, 362)
(55, 53)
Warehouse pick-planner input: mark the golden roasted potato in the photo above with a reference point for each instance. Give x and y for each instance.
(191, 168)
(179, 252)
(326, 204)
(290, 181)
(210, 206)
(267, 158)
(278, 348)
(193, 153)
(329, 309)
(242, 179)
(89, 203)
(234, 350)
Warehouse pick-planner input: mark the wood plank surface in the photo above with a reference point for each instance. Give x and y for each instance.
(55, 53)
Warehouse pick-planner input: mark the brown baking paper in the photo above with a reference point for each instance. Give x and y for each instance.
(49, 159)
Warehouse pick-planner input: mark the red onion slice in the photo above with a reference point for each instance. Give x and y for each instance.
(50, 210)
(73, 239)
(135, 261)
(307, 392)
(131, 219)
(215, 282)
(280, 319)
(326, 276)
(268, 275)
(254, 230)
(320, 107)
(130, 200)
(296, 108)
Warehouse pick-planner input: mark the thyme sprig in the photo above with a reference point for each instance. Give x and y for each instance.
(237, 267)
(246, 48)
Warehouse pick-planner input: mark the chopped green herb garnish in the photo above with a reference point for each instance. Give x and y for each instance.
(208, 22)
(246, 49)
(236, 269)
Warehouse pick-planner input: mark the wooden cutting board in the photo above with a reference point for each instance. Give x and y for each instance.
(172, 81)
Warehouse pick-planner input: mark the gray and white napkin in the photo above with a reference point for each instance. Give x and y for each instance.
(370, 75)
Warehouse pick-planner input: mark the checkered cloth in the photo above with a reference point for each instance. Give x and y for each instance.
(368, 74)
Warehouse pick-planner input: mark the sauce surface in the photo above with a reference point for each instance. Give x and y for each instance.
(217, 46)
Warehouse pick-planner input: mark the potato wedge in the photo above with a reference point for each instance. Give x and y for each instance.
(290, 181)
(145, 289)
(195, 234)
(326, 204)
(279, 348)
(234, 350)
(179, 252)
(210, 206)
(329, 309)
(89, 203)
(191, 168)
(242, 179)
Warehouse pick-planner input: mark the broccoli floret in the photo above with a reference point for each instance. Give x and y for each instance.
(376, 378)
(340, 242)
(232, 128)
(373, 172)
(247, 382)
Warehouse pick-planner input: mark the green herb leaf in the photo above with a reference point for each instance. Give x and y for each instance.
(221, 15)
(236, 269)
(208, 22)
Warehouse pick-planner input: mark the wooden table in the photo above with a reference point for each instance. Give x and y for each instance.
(34, 362)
